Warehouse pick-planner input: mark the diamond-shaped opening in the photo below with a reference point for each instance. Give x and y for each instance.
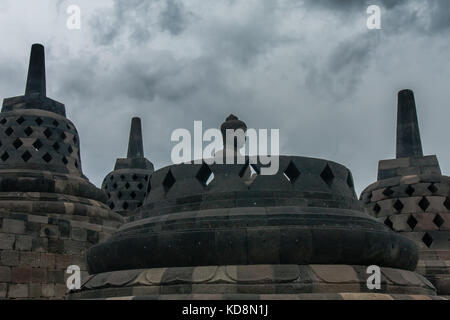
(28, 131)
(376, 208)
(37, 144)
(291, 173)
(389, 223)
(17, 143)
(20, 120)
(55, 123)
(47, 158)
(9, 131)
(63, 135)
(70, 150)
(205, 175)
(64, 160)
(140, 186)
(447, 203)
(5, 156)
(409, 190)
(133, 195)
(3, 121)
(424, 203)
(111, 178)
(125, 205)
(327, 175)
(428, 240)
(114, 185)
(169, 181)
(76, 164)
(111, 205)
(127, 186)
(39, 121)
(67, 126)
(249, 172)
(26, 156)
(56, 146)
(48, 132)
(432, 188)
(398, 205)
(438, 221)
(350, 182)
(122, 177)
(119, 195)
(388, 192)
(139, 204)
(134, 177)
(75, 140)
(146, 177)
(108, 195)
(412, 222)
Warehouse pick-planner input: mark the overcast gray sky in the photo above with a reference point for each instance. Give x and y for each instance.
(310, 68)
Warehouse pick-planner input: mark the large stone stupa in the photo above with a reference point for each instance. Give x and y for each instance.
(208, 232)
(412, 197)
(49, 212)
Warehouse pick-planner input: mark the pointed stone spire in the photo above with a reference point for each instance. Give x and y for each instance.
(408, 135)
(135, 146)
(36, 71)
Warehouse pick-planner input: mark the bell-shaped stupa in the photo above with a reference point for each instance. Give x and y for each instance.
(49, 212)
(126, 186)
(412, 197)
(205, 231)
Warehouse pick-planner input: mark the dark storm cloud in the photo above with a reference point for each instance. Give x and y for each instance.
(173, 18)
(309, 68)
(135, 18)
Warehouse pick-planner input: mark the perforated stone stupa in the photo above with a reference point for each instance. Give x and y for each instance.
(49, 212)
(411, 196)
(204, 232)
(126, 186)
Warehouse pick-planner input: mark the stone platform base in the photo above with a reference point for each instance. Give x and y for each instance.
(252, 282)
(435, 266)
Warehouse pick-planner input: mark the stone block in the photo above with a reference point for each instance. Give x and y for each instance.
(3, 290)
(47, 260)
(23, 243)
(74, 247)
(21, 275)
(56, 246)
(40, 244)
(31, 259)
(35, 290)
(17, 291)
(7, 241)
(48, 290)
(63, 261)
(60, 290)
(55, 276)
(13, 226)
(79, 234)
(10, 258)
(39, 275)
(5, 274)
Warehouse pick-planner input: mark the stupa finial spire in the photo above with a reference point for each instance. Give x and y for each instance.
(408, 134)
(135, 145)
(36, 71)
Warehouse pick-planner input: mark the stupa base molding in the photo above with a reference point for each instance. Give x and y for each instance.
(254, 282)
